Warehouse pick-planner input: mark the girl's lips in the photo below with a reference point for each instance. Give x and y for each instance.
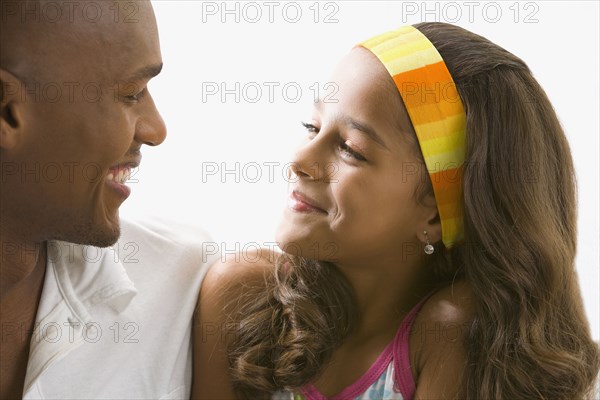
(302, 203)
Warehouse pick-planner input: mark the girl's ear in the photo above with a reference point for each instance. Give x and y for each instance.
(433, 227)
(11, 110)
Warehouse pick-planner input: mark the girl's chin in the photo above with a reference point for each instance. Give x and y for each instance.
(304, 240)
(307, 248)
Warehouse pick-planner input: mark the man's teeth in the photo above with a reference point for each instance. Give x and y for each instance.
(121, 177)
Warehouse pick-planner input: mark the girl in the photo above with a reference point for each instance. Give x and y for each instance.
(429, 242)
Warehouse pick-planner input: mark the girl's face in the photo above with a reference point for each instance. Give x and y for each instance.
(352, 195)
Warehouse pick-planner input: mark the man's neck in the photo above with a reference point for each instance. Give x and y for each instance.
(21, 263)
(22, 272)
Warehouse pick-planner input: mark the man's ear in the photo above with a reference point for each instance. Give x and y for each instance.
(11, 110)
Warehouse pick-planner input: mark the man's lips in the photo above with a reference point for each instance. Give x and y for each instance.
(120, 173)
(301, 202)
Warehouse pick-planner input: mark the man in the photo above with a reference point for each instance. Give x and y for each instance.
(85, 316)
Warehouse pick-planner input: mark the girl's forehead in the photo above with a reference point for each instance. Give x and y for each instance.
(365, 89)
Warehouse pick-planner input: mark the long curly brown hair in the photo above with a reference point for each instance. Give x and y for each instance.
(530, 337)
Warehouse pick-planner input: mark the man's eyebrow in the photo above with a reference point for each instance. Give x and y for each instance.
(145, 73)
(364, 128)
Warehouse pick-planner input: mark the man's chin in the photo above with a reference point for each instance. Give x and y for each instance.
(104, 241)
(92, 233)
(106, 234)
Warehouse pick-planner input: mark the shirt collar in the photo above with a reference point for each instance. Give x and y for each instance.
(90, 276)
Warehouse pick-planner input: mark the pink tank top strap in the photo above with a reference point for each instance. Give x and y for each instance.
(405, 381)
(396, 352)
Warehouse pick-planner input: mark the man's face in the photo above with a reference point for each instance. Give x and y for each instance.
(83, 118)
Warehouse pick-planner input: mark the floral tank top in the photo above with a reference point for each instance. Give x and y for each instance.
(389, 378)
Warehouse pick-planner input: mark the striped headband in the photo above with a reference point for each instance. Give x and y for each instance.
(437, 115)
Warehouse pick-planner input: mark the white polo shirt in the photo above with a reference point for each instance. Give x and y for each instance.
(115, 323)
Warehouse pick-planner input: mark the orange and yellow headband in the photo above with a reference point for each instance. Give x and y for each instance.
(437, 115)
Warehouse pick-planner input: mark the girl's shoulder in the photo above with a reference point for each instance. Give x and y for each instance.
(438, 349)
(450, 305)
(236, 273)
(230, 282)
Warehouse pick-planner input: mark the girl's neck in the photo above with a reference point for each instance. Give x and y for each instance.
(385, 293)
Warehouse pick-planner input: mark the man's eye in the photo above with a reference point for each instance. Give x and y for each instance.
(137, 96)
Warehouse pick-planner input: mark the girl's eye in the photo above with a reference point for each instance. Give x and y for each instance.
(352, 153)
(310, 128)
(344, 146)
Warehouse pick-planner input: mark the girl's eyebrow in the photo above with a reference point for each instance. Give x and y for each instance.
(360, 126)
(364, 128)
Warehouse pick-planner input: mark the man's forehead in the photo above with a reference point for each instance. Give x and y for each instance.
(93, 12)
(103, 34)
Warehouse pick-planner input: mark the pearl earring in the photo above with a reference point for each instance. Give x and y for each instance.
(428, 247)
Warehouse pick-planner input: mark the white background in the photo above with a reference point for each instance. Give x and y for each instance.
(202, 46)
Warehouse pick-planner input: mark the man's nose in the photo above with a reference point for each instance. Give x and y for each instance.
(150, 128)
